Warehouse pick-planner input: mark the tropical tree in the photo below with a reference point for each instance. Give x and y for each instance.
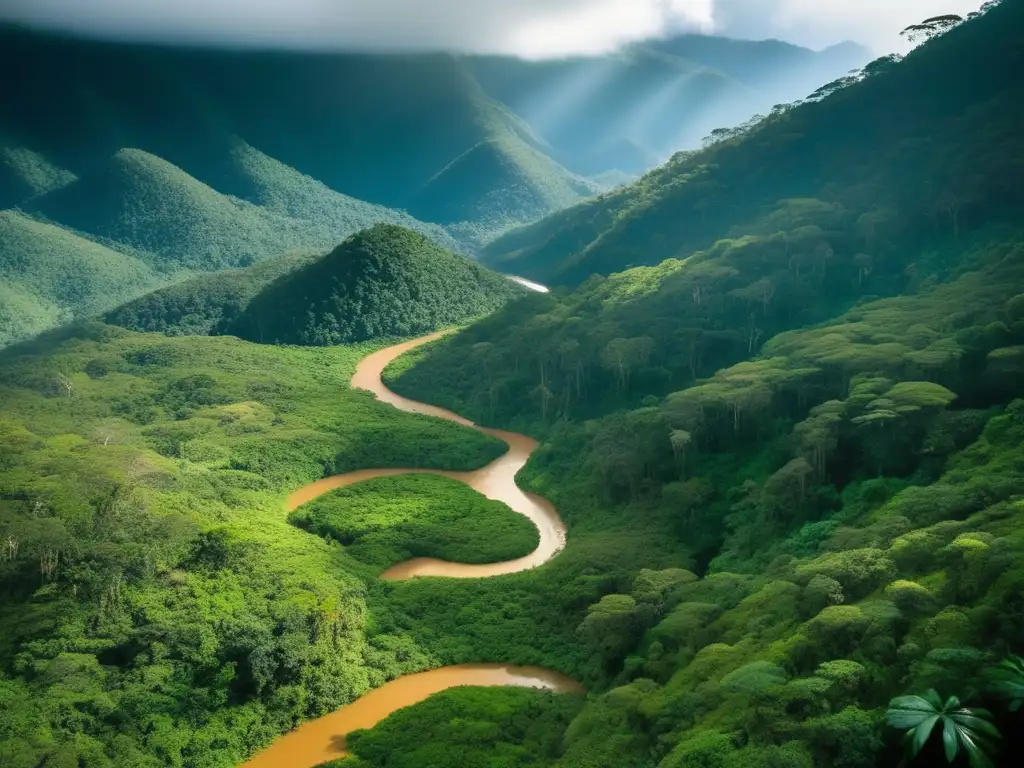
(929, 28)
(964, 729)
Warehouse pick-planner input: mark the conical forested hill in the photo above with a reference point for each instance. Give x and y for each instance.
(384, 281)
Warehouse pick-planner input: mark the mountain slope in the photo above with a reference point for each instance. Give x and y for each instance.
(143, 201)
(373, 127)
(822, 410)
(627, 110)
(385, 281)
(139, 222)
(197, 160)
(50, 275)
(205, 304)
(855, 148)
(140, 200)
(25, 174)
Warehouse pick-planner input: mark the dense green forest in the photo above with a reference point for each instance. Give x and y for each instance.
(186, 160)
(470, 728)
(385, 521)
(134, 222)
(788, 448)
(879, 143)
(158, 607)
(384, 281)
(820, 408)
(206, 304)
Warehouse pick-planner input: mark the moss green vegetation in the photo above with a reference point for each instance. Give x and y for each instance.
(25, 174)
(138, 199)
(822, 414)
(49, 275)
(174, 163)
(158, 607)
(529, 186)
(385, 281)
(865, 144)
(136, 222)
(391, 519)
(790, 458)
(469, 728)
(206, 304)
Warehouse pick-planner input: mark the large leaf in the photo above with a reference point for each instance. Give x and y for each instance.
(968, 719)
(975, 753)
(921, 734)
(909, 712)
(963, 727)
(950, 738)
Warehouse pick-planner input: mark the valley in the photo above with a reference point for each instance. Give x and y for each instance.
(321, 447)
(324, 738)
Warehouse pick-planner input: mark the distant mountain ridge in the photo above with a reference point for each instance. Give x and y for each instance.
(192, 161)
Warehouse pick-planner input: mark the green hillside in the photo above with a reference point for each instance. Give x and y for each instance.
(25, 174)
(386, 281)
(200, 160)
(206, 304)
(847, 150)
(379, 128)
(627, 110)
(778, 388)
(376, 128)
(321, 213)
(820, 407)
(136, 222)
(150, 569)
(50, 275)
(464, 191)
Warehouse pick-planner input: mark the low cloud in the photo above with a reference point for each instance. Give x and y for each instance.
(529, 28)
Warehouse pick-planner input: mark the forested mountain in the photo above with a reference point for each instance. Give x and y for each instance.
(846, 151)
(206, 304)
(383, 282)
(816, 400)
(189, 160)
(628, 110)
(133, 222)
(788, 445)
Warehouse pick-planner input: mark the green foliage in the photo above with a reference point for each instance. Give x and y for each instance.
(384, 282)
(25, 174)
(154, 595)
(49, 275)
(812, 403)
(866, 161)
(204, 305)
(471, 727)
(963, 729)
(137, 222)
(1007, 681)
(388, 520)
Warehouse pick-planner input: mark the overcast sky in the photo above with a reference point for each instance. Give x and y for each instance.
(531, 28)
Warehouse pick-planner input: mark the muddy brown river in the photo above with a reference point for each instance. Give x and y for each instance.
(324, 739)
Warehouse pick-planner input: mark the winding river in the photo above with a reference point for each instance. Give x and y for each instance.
(324, 739)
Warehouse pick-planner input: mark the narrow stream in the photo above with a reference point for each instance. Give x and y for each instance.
(324, 739)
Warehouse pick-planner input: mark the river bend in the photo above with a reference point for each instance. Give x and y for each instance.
(324, 739)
